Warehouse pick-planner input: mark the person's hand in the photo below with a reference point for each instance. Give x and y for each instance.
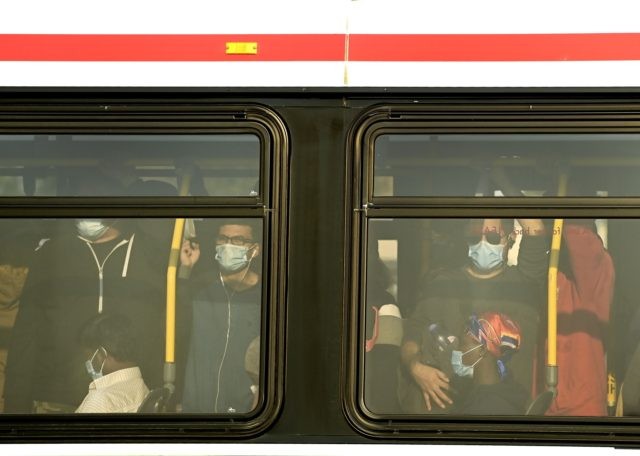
(434, 384)
(502, 181)
(189, 253)
(532, 227)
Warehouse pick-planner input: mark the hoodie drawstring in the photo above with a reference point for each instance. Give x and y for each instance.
(101, 266)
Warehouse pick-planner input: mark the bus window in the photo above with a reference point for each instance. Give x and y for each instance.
(410, 165)
(140, 268)
(494, 271)
(223, 165)
(86, 316)
(467, 333)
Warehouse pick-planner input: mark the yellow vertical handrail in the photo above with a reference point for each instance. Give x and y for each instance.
(172, 272)
(552, 293)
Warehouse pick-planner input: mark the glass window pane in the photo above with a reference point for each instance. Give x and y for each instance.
(83, 315)
(455, 317)
(479, 164)
(129, 165)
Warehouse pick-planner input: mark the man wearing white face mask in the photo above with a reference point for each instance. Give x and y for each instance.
(225, 307)
(484, 283)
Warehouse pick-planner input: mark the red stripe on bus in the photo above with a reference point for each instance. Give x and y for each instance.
(498, 48)
(168, 48)
(323, 47)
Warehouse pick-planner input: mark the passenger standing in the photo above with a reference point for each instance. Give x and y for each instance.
(225, 320)
(585, 290)
(484, 284)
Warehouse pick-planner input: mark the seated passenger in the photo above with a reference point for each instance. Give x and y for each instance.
(485, 283)
(225, 308)
(585, 291)
(485, 348)
(117, 387)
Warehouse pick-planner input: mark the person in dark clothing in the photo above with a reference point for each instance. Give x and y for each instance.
(480, 366)
(74, 276)
(485, 283)
(225, 308)
(382, 360)
(383, 339)
(18, 240)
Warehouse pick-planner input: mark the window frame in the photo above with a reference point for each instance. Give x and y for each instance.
(361, 206)
(270, 206)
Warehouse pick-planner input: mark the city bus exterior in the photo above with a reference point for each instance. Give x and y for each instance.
(345, 149)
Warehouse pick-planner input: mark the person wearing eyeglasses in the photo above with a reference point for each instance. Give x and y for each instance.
(484, 283)
(225, 318)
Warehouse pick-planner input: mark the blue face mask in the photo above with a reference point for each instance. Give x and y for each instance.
(95, 375)
(231, 257)
(459, 368)
(486, 256)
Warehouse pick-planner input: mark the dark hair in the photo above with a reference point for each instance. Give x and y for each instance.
(254, 224)
(114, 332)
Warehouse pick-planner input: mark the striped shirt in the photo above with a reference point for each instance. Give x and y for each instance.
(121, 391)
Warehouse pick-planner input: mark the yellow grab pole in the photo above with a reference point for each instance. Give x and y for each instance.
(552, 294)
(172, 272)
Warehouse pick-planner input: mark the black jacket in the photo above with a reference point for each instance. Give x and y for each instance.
(46, 362)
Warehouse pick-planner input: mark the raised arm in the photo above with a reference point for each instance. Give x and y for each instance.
(533, 257)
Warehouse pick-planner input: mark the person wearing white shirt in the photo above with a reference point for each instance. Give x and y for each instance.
(117, 386)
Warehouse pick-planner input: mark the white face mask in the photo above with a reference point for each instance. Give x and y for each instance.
(95, 375)
(231, 257)
(91, 229)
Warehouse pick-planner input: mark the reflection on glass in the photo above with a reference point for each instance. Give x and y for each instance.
(466, 165)
(83, 305)
(473, 295)
(129, 165)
